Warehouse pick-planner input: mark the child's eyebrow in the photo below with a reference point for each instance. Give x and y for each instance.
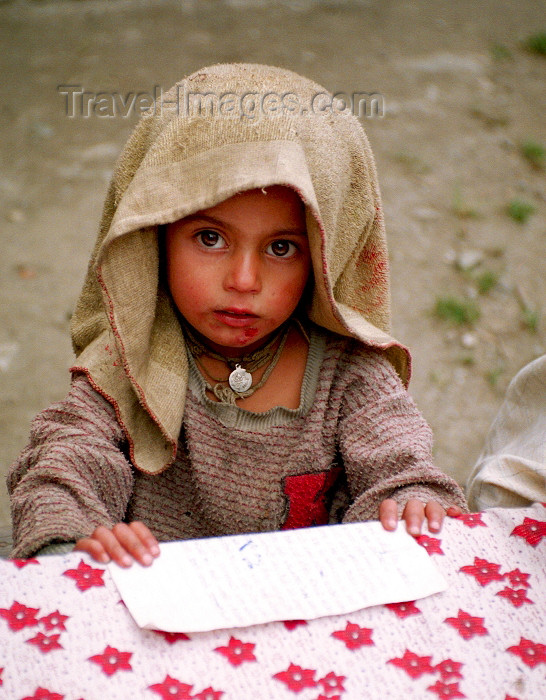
(292, 232)
(206, 218)
(203, 217)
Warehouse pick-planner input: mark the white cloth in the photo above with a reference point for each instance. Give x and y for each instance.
(511, 471)
(64, 630)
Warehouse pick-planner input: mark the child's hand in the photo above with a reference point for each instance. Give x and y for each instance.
(414, 514)
(122, 544)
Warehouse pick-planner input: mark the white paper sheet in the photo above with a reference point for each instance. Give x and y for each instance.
(242, 580)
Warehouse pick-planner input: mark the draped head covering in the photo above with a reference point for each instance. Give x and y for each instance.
(223, 130)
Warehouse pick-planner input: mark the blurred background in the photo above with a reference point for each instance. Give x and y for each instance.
(459, 143)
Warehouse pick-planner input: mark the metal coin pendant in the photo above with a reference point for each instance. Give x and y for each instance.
(240, 380)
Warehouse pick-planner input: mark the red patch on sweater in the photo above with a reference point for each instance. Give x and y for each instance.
(307, 498)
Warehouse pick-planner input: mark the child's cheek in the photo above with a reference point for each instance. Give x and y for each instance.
(288, 295)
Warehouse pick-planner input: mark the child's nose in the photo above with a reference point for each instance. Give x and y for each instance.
(244, 273)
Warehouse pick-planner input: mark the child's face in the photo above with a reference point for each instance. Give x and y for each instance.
(237, 271)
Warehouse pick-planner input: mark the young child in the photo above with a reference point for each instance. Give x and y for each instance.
(234, 368)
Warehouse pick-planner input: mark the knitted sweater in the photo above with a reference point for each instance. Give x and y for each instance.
(356, 439)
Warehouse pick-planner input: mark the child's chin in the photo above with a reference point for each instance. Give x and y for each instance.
(246, 336)
(246, 339)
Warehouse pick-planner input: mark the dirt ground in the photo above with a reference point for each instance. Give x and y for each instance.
(460, 93)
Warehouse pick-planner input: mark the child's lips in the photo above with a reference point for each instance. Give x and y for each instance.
(236, 318)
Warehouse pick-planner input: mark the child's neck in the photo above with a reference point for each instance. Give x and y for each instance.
(235, 355)
(283, 385)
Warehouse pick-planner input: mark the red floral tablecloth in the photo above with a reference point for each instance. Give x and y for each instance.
(64, 633)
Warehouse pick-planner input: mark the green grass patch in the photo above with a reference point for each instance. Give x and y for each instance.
(486, 281)
(536, 43)
(459, 311)
(530, 318)
(534, 152)
(520, 210)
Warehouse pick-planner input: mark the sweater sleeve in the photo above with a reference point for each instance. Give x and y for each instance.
(73, 474)
(386, 444)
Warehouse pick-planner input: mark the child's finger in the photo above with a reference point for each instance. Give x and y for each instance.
(388, 514)
(93, 548)
(435, 516)
(146, 537)
(414, 514)
(110, 543)
(128, 540)
(454, 511)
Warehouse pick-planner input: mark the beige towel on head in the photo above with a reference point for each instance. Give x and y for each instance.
(256, 127)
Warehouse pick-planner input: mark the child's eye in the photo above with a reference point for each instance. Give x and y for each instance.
(282, 249)
(211, 239)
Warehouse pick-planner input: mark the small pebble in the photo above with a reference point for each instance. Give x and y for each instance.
(469, 340)
(468, 259)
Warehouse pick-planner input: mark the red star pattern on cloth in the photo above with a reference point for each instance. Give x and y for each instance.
(449, 669)
(466, 625)
(237, 652)
(172, 689)
(172, 637)
(531, 653)
(516, 597)
(44, 694)
(332, 683)
(518, 578)
(530, 530)
(297, 678)
(85, 576)
(209, 694)
(515, 580)
(111, 660)
(21, 563)
(354, 636)
(292, 624)
(403, 610)
(414, 665)
(54, 621)
(46, 643)
(471, 519)
(445, 691)
(483, 571)
(19, 616)
(431, 544)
